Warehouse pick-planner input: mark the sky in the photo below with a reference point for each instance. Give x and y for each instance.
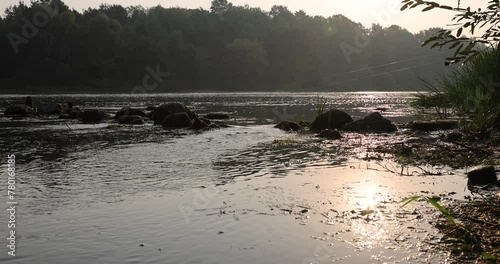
(384, 12)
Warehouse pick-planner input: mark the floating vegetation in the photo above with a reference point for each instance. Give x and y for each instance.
(477, 232)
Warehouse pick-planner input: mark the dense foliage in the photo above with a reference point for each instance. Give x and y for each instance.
(46, 45)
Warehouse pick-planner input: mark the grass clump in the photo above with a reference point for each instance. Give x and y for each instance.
(472, 90)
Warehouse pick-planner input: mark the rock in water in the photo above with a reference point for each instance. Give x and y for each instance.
(374, 122)
(330, 134)
(333, 119)
(217, 115)
(433, 125)
(482, 176)
(131, 120)
(29, 102)
(127, 111)
(164, 110)
(18, 110)
(178, 120)
(93, 116)
(50, 109)
(288, 126)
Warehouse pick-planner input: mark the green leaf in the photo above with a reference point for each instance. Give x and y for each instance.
(405, 6)
(487, 256)
(427, 8)
(459, 32)
(443, 210)
(454, 45)
(408, 200)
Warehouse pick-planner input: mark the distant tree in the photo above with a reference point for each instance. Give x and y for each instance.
(220, 6)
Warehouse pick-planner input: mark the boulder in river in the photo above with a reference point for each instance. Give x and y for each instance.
(29, 102)
(217, 115)
(177, 120)
(482, 176)
(93, 116)
(288, 126)
(131, 120)
(128, 111)
(50, 109)
(330, 134)
(18, 110)
(333, 119)
(165, 110)
(433, 125)
(374, 122)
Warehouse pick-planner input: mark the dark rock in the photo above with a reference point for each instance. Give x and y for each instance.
(127, 111)
(381, 109)
(482, 176)
(374, 122)
(29, 102)
(50, 109)
(150, 108)
(330, 134)
(93, 116)
(288, 126)
(70, 105)
(217, 115)
(165, 110)
(131, 120)
(304, 123)
(64, 116)
(18, 110)
(453, 136)
(433, 125)
(177, 120)
(75, 113)
(333, 119)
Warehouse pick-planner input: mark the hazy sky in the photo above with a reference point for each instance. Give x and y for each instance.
(384, 12)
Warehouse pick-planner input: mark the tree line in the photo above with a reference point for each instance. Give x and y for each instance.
(46, 46)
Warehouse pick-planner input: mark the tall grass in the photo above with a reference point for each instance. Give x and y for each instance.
(472, 90)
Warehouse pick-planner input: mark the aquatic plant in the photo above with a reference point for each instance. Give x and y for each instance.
(320, 105)
(472, 90)
(432, 201)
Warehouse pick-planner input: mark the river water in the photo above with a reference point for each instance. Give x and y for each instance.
(248, 193)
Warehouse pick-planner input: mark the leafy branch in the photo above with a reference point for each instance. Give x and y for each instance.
(465, 19)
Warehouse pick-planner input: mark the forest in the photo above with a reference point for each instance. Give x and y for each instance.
(48, 47)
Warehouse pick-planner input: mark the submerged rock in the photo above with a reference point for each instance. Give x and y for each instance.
(288, 126)
(164, 110)
(93, 116)
(330, 134)
(374, 122)
(433, 125)
(217, 115)
(128, 111)
(18, 110)
(177, 120)
(482, 176)
(50, 109)
(131, 120)
(29, 102)
(333, 119)
(453, 136)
